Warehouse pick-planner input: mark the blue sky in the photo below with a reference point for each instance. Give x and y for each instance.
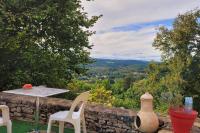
(128, 27)
(139, 26)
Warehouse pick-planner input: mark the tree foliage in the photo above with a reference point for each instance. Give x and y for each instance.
(102, 96)
(180, 48)
(179, 71)
(43, 42)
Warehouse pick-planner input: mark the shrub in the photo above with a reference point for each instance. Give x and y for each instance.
(102, 96)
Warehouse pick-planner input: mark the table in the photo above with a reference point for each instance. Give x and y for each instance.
(37, 91)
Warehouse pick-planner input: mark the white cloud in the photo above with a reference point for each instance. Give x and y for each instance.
(131, 44)
(123, 12)
(125, 45)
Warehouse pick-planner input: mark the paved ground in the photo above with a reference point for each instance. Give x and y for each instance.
(168, 129)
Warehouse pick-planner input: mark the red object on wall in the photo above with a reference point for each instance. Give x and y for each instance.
(27, 86)
(182, 121)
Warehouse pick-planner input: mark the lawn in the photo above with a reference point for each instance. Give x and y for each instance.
(24, 127)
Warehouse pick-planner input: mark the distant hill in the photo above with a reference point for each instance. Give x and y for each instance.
(111, 63)
(115, 69)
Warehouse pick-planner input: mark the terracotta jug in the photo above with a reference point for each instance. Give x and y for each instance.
(146, 120)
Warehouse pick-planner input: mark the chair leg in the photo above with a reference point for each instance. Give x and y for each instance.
(84, 125)
(77, 127)
(49, 126)
(9, 127)
(61, 127)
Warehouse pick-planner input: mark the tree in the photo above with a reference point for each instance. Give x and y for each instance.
(180, 47)
(179, 71)
(43, 42)
(154, 83)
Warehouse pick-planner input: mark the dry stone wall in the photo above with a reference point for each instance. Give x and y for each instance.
(99, 119)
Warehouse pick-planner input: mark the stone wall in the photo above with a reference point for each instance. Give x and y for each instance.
(99, 119)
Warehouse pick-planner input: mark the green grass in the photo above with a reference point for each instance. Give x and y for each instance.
(24, 127)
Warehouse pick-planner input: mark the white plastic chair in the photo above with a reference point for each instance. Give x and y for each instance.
(75, 118)
(5, 119)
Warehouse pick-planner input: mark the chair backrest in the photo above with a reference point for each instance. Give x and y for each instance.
(82, 98)
(5, 113)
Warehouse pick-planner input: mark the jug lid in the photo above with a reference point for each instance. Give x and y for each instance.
(146, 96)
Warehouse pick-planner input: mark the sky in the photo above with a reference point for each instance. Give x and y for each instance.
(128, 27)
